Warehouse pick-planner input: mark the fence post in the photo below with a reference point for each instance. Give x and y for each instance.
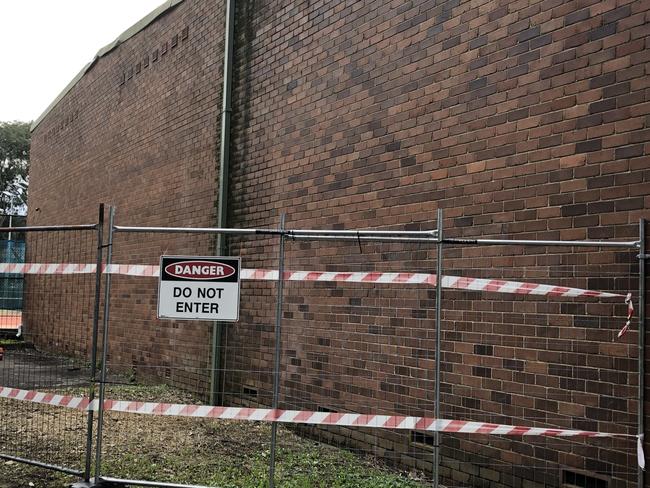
(102, 382)
(436, 434)
(642, 298)
(278, 352)
(93, 351)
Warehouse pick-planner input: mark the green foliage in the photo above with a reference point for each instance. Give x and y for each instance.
(15, 140)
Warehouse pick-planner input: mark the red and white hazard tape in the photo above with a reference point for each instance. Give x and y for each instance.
(455, 282)
(396, 422)
(47, 268)
(52, 399)
(452, 282)
(295, 416)
(630, 314)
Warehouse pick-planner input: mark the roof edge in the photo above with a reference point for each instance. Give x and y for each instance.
(123, 37)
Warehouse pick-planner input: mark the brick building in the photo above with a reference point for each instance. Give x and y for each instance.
(522, 118)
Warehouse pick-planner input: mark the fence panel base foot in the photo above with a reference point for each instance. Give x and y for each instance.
(97, 484)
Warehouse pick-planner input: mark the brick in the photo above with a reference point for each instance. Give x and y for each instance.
(513, 364)
(603, 80)
(497, 13)
(573, 210)
(478, 42)
(478, 83)
(518, 114)
(640, 136)
(541, 41)
(612, 403)
(482, 372)
(577, 16)
(602, 106)
(528, 34)
(618, 89)
(449, 43)
(603, 31)
(473, 403)
(500, 397)
(630, 99)
(617, 14)
(589, 146)
(629, 204)
(598, 414)
(589, 121)
(629, 151)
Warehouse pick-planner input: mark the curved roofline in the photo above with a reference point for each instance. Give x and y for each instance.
(123, 37)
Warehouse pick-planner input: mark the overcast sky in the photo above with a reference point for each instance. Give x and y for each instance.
(45, 43)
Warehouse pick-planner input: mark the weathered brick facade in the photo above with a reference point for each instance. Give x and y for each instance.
(522, 118)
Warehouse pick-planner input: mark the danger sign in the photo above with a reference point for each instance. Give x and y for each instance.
(199, 288)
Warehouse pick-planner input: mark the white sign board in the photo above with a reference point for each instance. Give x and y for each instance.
(199, 288)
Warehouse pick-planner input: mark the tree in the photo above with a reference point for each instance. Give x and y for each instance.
(14, 166)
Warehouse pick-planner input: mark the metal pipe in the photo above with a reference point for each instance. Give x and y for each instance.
(195, 230)
(226, 111)
(519, 242)
(53, 467)
(432, 239)
(642, 299)
(218, 329)
(93, 351)
(415, 236)
(436, 434)
(216, 396)
(278, 352)
(271, 232)
(102, 383)
(148, 483)
(367, 232)
(49, 228)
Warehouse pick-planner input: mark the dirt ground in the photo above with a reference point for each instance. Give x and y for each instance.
(26, 368)
(227, 454)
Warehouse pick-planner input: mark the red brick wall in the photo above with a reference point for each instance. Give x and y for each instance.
(525, 118)
(139, 131)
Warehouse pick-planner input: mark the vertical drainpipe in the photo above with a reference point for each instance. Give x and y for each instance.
(224, 164)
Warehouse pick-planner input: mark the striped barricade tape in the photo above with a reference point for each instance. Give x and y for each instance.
(451, 282)
(47, 268)
(394, 422)
(630, 314)
(455, 282)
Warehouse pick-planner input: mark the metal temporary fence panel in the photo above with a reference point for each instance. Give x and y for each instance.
(541, 356)
(527, 347)
(163, 361)
(359, 336)
(160, 373)
(48, 349)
